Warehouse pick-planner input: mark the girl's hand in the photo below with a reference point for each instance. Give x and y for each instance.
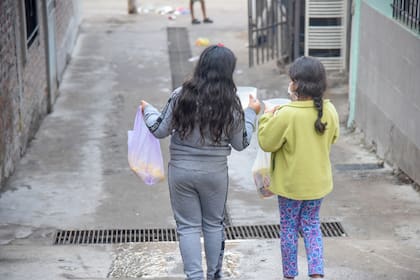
(254, 104)
(271, 110)
(143, 104)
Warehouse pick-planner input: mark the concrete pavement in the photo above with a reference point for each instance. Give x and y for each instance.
(75, 174)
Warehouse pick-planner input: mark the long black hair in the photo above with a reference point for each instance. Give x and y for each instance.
(209, 100)
(308, 74)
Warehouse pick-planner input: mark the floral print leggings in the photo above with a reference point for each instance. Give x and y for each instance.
(295, 216)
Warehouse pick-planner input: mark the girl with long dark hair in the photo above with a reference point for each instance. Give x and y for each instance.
(299, 136)
(205, 120)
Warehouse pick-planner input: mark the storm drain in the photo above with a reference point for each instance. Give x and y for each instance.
(111, 236)
(179, 54)
(328, 229)
(359, 166)
(75, 237)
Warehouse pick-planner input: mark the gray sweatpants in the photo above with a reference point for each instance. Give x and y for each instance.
(198, 199)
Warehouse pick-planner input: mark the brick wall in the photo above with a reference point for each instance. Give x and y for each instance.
(67, 22)
(23, 77)
(9, 90)
(33, 105)
(63, 15)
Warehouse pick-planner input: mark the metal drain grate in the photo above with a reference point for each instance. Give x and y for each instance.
(332, 229)
(359, 166)
(328, 229)
(100, 236)
(179, 53)
(111, 236)
(252, 232)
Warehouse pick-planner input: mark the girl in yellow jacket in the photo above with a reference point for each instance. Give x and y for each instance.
(299, 136)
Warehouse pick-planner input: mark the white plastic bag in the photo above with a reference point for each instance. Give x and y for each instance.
(261, 167)
(243, 94)
(261, 173)
(144, 153)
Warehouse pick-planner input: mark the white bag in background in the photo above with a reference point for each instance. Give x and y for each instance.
(261, 173)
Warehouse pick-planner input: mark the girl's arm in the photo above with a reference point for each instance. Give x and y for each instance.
(242, 137)
(159, 123)
(272, 132)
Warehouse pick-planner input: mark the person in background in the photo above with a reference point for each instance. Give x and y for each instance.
(299, 136)
(205, 120)
(194, 20)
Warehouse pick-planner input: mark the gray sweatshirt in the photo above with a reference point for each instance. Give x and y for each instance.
(193, 152)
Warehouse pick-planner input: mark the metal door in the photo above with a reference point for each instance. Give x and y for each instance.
(268, 30)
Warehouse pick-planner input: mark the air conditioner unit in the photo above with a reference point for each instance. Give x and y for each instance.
(325, 32)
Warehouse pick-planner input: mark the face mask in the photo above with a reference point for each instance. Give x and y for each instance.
(292, 94)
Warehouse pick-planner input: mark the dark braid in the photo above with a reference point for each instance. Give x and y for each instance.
(319, 125)
(308, 74)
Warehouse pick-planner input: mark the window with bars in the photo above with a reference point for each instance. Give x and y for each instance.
(32, 25)
(408, 13)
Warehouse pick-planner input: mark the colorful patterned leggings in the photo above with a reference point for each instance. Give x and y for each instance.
(300, 215)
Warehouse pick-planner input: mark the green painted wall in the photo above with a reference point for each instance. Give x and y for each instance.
(382, 6)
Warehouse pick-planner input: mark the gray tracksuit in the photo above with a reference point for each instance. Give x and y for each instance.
(198, 184)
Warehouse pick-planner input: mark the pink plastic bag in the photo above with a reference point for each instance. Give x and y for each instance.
(144, 153)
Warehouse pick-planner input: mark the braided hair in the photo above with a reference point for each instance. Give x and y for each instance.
(308, 74)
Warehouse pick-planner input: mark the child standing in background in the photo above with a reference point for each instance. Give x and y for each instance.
(299, 136)
(194, 20)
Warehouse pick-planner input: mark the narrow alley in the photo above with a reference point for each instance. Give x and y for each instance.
(75, 175)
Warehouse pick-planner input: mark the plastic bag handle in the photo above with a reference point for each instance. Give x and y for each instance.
(139, 120)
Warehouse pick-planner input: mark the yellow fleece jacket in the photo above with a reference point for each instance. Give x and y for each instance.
(300, 162)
